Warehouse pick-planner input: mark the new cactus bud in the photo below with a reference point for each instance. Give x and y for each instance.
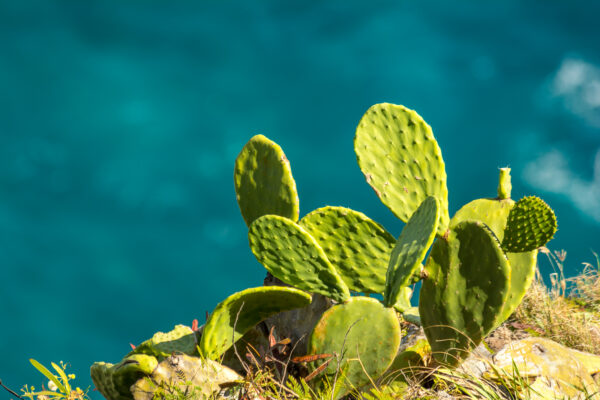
(531, 224)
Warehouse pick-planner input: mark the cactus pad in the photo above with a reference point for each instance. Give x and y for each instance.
(467, 284)
(130, 370)
(531, 224)
(292, 255)
(358, 247)
(414, 241)
(360, 331)
(403, 302)
(494, 214)
(263, 181)
(401, 160)
(114, 381)
(241, 311)
(181, 339)
(102, 374)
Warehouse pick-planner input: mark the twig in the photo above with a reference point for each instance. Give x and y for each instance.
(339, 358)
(287, 363)
(9, 391)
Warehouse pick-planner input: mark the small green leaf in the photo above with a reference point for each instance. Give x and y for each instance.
(48, 374)
(62, 374)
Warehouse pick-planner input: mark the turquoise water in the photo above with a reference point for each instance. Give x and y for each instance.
(120, 123)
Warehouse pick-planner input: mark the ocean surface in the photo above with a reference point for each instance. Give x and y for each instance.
(120, 123)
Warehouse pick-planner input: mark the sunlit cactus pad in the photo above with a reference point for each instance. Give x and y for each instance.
(241, 311)
(467, 284)
(358, 247)
(401, 160)
(494, 213)
(361, 331)
(414, 241)
(292, 255)
(114, 381)
(531, 224)
(130, 370)
(181, 339)
(263, 181)
(102, 374)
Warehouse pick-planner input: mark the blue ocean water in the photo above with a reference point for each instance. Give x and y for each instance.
(120, 123)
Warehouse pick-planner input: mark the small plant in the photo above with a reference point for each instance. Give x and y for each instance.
(59, 386)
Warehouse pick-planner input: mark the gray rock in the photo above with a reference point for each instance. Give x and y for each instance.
(181, 373)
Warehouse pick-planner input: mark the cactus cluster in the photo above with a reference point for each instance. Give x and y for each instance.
(481, 261)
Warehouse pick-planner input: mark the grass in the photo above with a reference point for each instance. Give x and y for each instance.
(566, 311)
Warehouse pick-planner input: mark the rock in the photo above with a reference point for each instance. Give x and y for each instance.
(477, 363)
(555, 371)
(180, 373)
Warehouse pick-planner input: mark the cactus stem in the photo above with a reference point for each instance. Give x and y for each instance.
(504, 185)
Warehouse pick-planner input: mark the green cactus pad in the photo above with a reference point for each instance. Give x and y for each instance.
(360, 329)
(241, 311)
(467, 284)
(130, 370)
(102, 374)
(292, 255)
(403, 302)
(494, 214)
(414, 241)
(531, 224)
(408, 364)
(401, 160)
(358, 247)
(263, 181)
(181, 339)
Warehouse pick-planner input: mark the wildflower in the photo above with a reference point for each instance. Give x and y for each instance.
(52, 386)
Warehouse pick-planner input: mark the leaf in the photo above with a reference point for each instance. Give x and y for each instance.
(49, 393)
(62, 374)
(48, 375)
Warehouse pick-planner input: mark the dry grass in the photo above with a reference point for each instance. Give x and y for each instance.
(567, 310)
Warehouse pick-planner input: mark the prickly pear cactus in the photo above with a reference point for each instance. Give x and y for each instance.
(241, 311)
(114, 381)
(102, 374)
(531, 224)
(358, 247)
(414, 241)
(495, 214)
(364, 335)
(462, 298)
(130, 370)
(181, 339)
(292, 255)
(401, 160)
(263, 181)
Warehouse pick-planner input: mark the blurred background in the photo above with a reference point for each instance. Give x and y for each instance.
(120, 123)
